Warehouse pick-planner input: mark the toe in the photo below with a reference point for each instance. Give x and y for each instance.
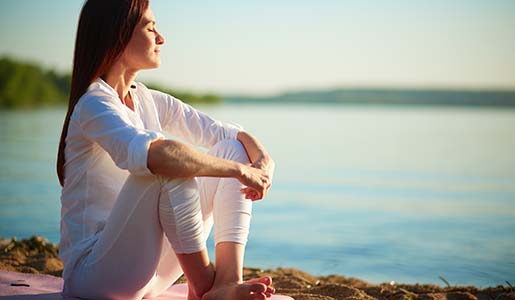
(269, 292)
(257, 288)
(264, 280)
(259, 296)
(252, 291)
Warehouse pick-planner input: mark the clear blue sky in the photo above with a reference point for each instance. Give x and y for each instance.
(269, 46)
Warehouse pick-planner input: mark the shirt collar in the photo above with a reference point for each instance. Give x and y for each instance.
(101, 84)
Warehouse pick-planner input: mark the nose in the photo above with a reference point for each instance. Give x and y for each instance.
(159, 38)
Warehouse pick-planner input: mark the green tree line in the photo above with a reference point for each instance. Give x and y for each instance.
(28, 85)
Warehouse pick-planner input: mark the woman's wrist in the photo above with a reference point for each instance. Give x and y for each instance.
(238, 171)
(262, 162)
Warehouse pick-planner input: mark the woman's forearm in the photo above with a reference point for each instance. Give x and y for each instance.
(259, 158)
(173, 159)
(255, 150)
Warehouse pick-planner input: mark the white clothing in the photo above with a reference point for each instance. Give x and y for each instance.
(131, 257)
(107, 142)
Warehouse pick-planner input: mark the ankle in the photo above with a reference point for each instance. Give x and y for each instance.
(224, 279)
(201, 287)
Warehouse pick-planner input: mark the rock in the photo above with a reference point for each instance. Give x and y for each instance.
(4, 242)
(460, 296)
(302, 296)
(350, 281)
(506, 296)
(341, 292)
(448, 296)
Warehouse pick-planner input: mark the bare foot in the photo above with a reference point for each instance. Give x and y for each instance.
(266, 281)
(255, 289)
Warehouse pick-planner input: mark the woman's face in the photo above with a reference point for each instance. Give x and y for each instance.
(142, 52)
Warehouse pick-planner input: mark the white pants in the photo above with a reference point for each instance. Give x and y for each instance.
(134, 256)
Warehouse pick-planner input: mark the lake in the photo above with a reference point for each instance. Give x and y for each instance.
(380, 193)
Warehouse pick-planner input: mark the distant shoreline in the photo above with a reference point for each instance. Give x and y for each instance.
(388, 97)
(28, 85)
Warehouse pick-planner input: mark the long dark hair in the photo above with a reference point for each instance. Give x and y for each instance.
(105, 28)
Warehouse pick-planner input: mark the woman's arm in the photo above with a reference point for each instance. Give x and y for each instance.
(173, 159)
(258, 156)
(189, 124)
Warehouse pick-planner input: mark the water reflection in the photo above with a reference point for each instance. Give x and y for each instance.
(382, 194)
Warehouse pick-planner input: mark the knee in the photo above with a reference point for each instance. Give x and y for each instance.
(180, 190)
(230, 149)
(181, 216)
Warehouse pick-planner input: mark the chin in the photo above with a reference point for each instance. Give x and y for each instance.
(157, 63)
(152, 65)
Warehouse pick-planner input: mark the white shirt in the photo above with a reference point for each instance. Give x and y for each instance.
(106, 142)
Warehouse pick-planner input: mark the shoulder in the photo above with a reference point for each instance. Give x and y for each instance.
(154, 93)
(157, 94)
(146, 94)
(160, 98)
(96, 100)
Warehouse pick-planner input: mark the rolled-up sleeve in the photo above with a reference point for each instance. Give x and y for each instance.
(103, 122)
(184, 121)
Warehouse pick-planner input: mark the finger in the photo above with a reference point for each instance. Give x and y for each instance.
(267, 190)
(266, 280)
(252, 195)
(256, 196)
(246, 190)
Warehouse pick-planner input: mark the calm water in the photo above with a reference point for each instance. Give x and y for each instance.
(404, 194)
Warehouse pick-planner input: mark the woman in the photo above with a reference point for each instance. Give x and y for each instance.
(137, 208)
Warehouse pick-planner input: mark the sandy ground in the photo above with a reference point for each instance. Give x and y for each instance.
(37, 255)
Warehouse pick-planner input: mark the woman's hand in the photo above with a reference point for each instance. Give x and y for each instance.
(261, 161)
(257, 182)
(267, 165)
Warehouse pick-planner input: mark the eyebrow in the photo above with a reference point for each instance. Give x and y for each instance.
(150, 21)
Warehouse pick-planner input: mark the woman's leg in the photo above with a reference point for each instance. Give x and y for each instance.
(132, 258)
(222, 201)
(126, 255)
(182, 221)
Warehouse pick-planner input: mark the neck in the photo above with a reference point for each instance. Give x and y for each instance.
(120, 79)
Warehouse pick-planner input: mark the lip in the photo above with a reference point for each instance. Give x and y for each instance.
(157, 51)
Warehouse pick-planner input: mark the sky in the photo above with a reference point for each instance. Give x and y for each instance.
(272, 46)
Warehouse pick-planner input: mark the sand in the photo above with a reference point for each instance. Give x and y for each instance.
(36, 255)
